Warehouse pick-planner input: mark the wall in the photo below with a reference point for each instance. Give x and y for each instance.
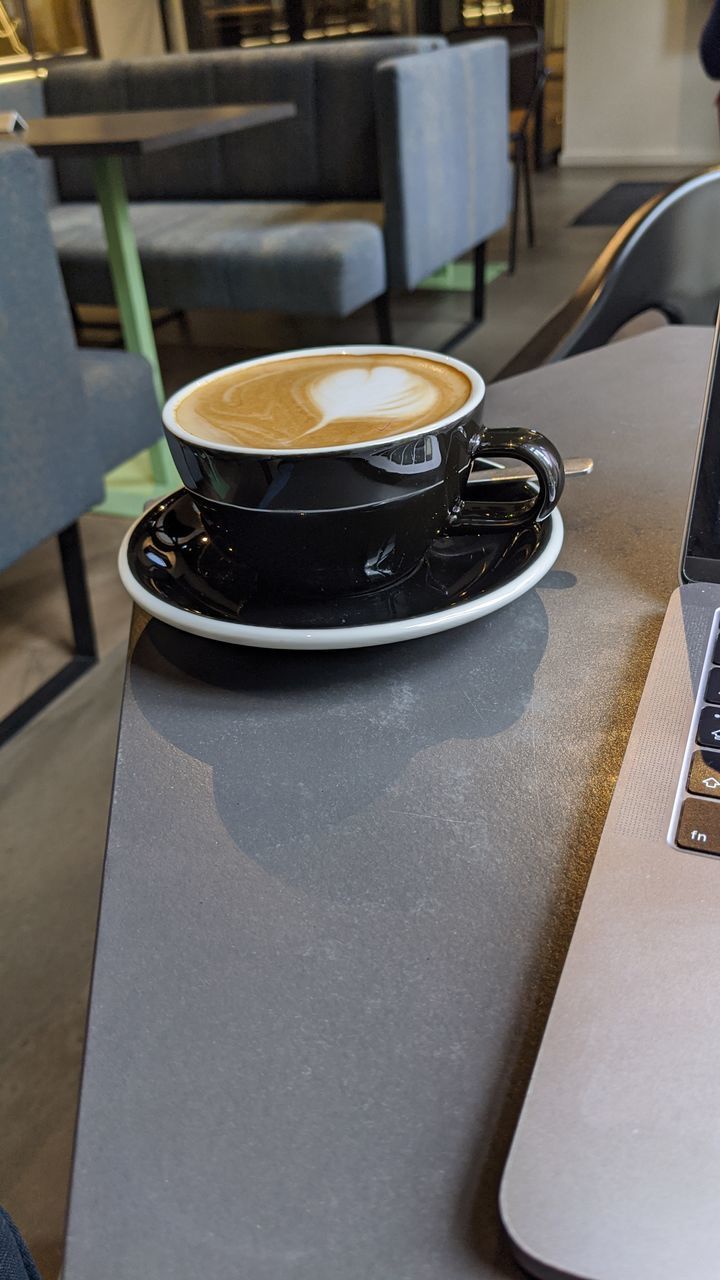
(128, 28)
(635, 92)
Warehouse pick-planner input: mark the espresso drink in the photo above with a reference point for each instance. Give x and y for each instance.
(316, 401)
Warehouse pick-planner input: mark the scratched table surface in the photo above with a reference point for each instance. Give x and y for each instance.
(339, 888)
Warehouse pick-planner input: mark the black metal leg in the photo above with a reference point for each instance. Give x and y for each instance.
(112, 326)
(184, 326)
(478, 301)
(77, 592)
(295, 12)
(383, 318)
(84, 655)
(528, 196)
(479, 282)
(540, 130)
(512, 255)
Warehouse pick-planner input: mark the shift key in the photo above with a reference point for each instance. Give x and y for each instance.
(699, 826)
(704, 774)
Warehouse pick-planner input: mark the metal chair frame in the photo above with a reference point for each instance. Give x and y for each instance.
(665, 257)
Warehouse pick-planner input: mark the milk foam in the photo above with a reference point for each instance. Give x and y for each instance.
(382, 392)
(322, 400)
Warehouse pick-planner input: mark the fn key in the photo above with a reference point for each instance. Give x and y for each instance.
(699, 826)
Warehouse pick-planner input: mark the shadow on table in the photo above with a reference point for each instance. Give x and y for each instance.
(327, 770)
(304, 745)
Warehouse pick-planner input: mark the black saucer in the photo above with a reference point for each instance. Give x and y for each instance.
(170, 555)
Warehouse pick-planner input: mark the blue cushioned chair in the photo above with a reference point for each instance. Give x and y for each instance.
(394, 165)
(15, 1260)
(66, 416)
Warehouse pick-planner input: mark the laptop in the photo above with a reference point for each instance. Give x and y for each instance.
(614, 1170)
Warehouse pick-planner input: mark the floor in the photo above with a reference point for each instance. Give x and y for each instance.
(56, 776)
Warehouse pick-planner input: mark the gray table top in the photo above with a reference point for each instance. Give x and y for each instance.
(339, 888)
(134, 133)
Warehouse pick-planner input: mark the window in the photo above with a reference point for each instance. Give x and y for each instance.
(32, 30)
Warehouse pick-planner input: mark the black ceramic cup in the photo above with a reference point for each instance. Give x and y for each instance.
(309, 522)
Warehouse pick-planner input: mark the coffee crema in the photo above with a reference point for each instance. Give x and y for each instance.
(317, 401)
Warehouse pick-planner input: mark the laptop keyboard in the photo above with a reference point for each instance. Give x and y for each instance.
(698, 825)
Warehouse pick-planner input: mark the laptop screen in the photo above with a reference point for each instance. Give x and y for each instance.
(701, 551)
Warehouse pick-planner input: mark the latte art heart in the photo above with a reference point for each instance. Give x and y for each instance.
(322, 401)
(384, 392)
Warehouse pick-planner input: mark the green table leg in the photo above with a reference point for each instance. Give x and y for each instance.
(136, 324)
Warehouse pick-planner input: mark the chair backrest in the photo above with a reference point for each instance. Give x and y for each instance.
(527, 55)
(25, 92)
(442, 122)
(665, 257)
(50, 471)
(328, 151)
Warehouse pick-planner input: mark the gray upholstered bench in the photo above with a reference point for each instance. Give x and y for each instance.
(395, 164)
(244, 254)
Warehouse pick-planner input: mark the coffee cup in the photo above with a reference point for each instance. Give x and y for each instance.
(355, 503)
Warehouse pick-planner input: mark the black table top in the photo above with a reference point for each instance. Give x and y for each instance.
(135, 133)
(339, 888)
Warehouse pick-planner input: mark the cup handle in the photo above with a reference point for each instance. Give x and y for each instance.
(471, 514)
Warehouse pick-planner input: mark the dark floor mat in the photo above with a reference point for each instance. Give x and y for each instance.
(618, 202)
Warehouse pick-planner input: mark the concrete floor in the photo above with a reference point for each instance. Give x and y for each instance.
(56, 776)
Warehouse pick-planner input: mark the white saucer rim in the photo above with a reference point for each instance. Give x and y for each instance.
(355, 637)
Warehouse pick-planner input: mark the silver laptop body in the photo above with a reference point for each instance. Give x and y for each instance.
(614, 1171)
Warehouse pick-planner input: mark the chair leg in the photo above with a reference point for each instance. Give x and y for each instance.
(383, 317)
(528, 196)
(184, 327)
(540, 161)
(84, 655)
(479, 282)
(77, 592)
(512, 255)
